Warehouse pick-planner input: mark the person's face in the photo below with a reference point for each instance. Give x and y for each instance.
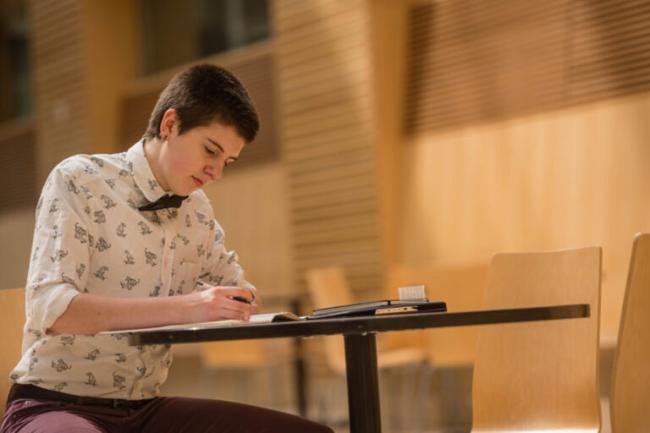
(197, 157)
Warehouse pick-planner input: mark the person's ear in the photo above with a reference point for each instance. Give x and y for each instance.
(168, 122)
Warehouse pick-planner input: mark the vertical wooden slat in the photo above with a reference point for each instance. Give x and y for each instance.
(59, 81)
(472, 62)
(17, 166)
(324, 69)
(610, 49)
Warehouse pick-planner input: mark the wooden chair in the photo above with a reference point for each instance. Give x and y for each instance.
(631, 372)
(451, 351)
(257, 364)
(328, 287)
(12, 320)
(461, 285)
(540, 376)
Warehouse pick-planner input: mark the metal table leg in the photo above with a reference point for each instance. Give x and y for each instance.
(300, 376)
(363, 384)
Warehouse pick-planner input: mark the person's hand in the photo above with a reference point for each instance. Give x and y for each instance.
(221, 303)
(256, 305)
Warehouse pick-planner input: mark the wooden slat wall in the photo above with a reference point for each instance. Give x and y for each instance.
(475, 61)
(253, 67)
(16, 232)
(560, 179)
(325, 82)
(17, 166)
(253, 208)
(563, 162)
(59, 82)
(609, 49)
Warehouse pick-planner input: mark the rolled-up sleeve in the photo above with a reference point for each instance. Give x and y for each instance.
(61, 250)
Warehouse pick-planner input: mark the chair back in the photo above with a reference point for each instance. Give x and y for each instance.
(631, 372)
(12, 321)
(540, 376)
(329, 287)
(461, 286)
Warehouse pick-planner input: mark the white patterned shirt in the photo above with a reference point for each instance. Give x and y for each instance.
(90, 237)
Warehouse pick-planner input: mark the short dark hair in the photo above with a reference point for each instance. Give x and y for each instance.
(202, 94)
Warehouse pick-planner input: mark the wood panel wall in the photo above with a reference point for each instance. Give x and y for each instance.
(560, 179)
(112, 53)
(564, 160)
(81, 56)
(324, 68)
(17, 165)
(59, 82)
(16, 232)
(475, 61)
(64, 42)
(253, 208)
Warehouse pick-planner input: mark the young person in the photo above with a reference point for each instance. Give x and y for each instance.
(125, 241)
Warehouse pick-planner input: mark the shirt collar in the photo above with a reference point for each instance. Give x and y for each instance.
(142, 174)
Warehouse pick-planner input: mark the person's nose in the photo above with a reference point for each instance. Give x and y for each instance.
(215, 169)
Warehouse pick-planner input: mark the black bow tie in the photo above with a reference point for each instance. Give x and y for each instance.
(164, 202)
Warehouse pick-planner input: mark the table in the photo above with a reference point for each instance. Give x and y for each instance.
(360, 345)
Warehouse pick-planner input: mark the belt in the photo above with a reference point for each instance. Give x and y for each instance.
(19, 391)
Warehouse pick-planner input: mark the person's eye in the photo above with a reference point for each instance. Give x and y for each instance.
(209, 151)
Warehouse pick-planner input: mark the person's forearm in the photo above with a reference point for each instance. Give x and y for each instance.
(89, 314)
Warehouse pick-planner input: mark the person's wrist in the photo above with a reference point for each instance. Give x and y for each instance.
(186, 308)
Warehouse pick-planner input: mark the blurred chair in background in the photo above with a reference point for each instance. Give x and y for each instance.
(451, 350)
(631, 372)
(259, 366)
(461, 286)
(329, 287)
(540, 376)
(12, 321)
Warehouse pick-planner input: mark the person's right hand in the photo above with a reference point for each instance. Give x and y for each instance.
(217, 303)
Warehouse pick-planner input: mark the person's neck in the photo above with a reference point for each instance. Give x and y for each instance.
(152, 147)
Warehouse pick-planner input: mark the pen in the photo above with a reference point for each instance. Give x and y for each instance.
(235, 298)
(241, 299)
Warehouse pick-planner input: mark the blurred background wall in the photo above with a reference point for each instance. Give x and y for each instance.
(394, 132)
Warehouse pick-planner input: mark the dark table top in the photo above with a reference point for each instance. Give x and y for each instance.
(359, 325)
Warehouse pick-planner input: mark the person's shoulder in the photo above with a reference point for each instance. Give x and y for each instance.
(72, 168)
(85, 168)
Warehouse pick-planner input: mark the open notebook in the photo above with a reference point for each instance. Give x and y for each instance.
(255, 318)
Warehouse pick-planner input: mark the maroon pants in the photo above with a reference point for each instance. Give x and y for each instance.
(161, 415)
